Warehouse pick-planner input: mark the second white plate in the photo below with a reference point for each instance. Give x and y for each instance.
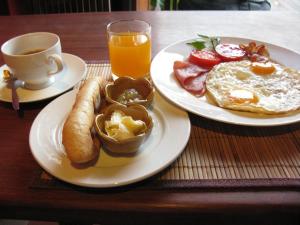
(170, 134)
(167, 85)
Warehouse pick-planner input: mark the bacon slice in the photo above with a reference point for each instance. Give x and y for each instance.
(191, 77)
(196, 85)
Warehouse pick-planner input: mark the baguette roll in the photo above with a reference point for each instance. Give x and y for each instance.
(77, 135)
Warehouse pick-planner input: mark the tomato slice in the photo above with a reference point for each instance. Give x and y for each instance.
(204, 58)
(230, 52)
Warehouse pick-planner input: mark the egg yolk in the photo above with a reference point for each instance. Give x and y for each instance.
(243, 96)
(262, 68)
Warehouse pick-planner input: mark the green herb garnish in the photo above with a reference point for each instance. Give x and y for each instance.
(205, 42)
(199, 45)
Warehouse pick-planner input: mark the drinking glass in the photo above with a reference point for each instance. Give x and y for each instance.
(129, 43)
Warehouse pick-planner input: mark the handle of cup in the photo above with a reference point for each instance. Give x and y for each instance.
(58, 61)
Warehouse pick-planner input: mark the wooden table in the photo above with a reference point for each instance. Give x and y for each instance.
(84, 35)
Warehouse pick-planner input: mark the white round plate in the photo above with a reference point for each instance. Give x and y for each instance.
(168, 139)
(165, 82)
(74, 70)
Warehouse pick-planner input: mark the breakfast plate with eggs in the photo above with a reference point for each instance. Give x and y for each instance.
(232, 84)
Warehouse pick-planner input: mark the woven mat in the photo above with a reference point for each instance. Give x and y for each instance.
(223, 155)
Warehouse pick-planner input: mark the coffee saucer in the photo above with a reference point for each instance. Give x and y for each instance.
(74, 71)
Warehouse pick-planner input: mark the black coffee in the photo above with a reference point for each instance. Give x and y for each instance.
(32, 51)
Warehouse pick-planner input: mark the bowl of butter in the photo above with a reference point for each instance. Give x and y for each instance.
(129, 91)
(122, 129)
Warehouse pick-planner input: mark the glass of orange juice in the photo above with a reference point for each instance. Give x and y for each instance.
(129, 43)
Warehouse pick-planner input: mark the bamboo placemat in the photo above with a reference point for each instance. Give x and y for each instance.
(224, 155)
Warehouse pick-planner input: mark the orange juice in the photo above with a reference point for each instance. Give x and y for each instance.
(130, 54)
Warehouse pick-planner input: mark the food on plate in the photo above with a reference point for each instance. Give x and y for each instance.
(230, 52)
(204, 42)
(208, 53)
(256, 53)
(263, 68)
(128, 91)
(190, 76)
(204, 58)
(77, 134)
(122, 129)
(121, 126)
(129, 96)
(268, 88)
(239, 76)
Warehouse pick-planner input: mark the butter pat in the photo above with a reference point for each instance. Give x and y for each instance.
(121, 127)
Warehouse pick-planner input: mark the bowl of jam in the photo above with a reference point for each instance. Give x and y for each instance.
(128, 91)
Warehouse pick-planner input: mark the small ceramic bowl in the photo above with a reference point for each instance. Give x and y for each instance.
(116, 91)
(129, 145)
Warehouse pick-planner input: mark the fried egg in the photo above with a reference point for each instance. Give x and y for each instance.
(261, 88)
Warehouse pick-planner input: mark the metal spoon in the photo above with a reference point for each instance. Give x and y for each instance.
(13, 83)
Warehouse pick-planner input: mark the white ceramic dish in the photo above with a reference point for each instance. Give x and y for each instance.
(167, 85)
(168, 139)
(74, 71)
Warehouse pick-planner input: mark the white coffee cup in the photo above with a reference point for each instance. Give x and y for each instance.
(34, 58)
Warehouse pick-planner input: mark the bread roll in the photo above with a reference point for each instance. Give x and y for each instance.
(77, 136)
